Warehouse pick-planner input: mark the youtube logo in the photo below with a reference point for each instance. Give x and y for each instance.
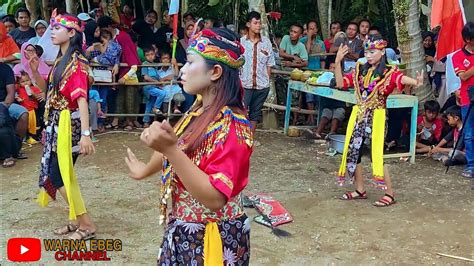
(24, 249)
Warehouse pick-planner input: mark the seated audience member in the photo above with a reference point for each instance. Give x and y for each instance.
(429, 127)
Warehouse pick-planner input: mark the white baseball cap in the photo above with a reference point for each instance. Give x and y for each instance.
(84, 16)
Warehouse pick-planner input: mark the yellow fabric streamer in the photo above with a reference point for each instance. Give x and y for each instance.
(64, 151)
(32, 122)
(213, 254)
(43, 198)
(350, 129)
(378, 138)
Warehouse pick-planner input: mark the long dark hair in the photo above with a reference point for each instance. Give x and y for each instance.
(75, 46)
(380, 70)
(228, 90)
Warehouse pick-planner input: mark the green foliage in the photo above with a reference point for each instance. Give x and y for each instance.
(10, 6)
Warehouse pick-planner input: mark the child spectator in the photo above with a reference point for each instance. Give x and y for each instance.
(153, 94)
(429, 127)
(454, 119)
(95, 111)
(28, 96)
(173, 91)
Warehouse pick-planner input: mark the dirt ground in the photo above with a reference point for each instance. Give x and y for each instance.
(434, 213)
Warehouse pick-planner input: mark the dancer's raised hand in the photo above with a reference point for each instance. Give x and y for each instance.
(136, 167)
(160, 137)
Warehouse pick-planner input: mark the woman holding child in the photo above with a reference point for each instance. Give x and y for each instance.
(373, 82)
(204, 160)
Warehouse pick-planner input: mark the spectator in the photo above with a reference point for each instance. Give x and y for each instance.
(463, 62)
(334, 112)
(126, 18)
(429, 127)
(209, 23)
(364, 26)
(255, 73)
(374, 30)
(429, 48)
(98, 13)
(356, 46)
(146, 30)
(454, 120)
(17, 112)
(40, 29)
(243, 31)
(92, 33)
(127, 96)
(95, 111)
(173, 91)
(29, 97)
(334, 28)
(154, 95)
(29, 51)
(187, 17)
(24, 32)
(313, 45)
(10, 144)
(9, 49)
(165, 33)
(10, 23)
(292, 51)
(181, 57)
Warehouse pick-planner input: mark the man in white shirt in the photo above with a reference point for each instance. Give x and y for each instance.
(255, 73)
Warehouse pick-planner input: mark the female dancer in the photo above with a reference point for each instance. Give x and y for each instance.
(373, 82)
(205, 160)
(67, 124)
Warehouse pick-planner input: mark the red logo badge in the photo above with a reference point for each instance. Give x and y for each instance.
(24, 249)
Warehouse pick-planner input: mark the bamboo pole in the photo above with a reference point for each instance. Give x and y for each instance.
(293, 109)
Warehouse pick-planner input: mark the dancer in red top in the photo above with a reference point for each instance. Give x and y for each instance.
(205, 160)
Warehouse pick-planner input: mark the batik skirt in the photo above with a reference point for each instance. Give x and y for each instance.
(49, 165)
(183, 242)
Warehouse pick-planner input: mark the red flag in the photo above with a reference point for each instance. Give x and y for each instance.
(449, 14)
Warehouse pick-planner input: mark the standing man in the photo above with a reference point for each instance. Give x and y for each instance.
(255, 73)
(463, 62)
(24, 32)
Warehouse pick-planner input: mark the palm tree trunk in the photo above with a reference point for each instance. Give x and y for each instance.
(45, 9)
(31, 6)
(407, 17)
(323, 7)
(236, 14)
(157, 7)
(71, 7)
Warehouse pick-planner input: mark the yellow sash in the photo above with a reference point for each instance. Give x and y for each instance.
(32, 122)
(64, 151)
(213, 254)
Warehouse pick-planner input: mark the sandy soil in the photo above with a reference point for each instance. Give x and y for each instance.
(434, 213)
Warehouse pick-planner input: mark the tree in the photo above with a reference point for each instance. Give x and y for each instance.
(157, 7)
(323, 12)
(407, 24)
(71, 6)
(31, 6)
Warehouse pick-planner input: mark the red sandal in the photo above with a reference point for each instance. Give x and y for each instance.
(348, 195)
(384, 202)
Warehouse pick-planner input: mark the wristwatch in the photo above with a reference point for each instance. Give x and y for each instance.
(86, 133)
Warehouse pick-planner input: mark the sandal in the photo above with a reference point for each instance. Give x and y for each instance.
(9, 162)
(128, 128)
(384, 202)
(348, 195)
(137, 124)
(69, 228)
(21, 156)
(82, 234)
